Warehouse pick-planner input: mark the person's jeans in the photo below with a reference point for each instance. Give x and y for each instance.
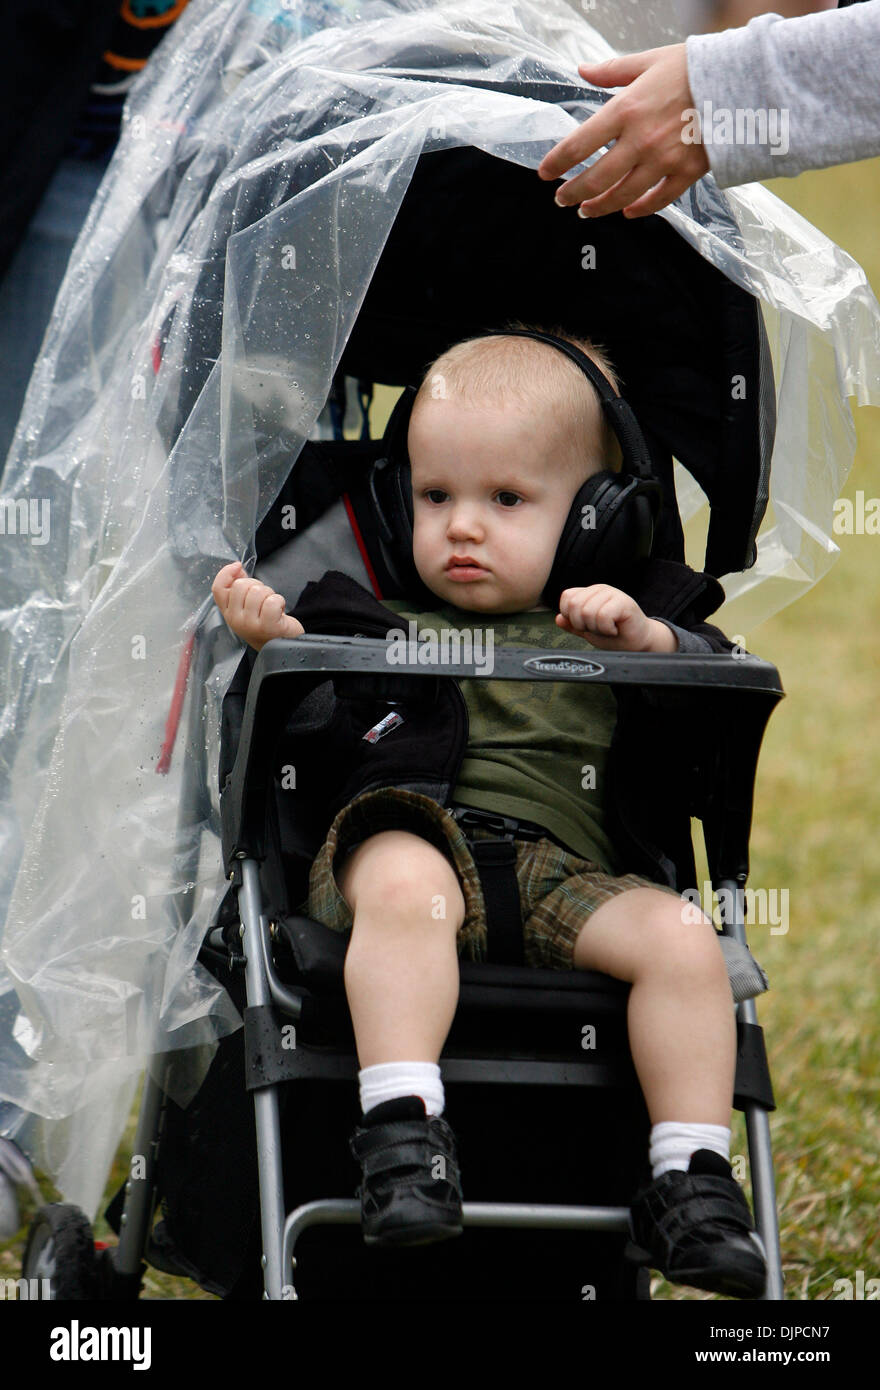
(33, 278)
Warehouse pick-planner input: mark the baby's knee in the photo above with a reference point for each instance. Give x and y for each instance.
(401, 876)
(677, 937)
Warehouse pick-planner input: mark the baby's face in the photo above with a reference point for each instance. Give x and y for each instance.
(492, 486)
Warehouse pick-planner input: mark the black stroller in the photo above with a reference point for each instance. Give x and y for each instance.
(678, 332)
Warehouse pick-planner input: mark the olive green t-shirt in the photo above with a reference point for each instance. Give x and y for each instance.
(536, 750)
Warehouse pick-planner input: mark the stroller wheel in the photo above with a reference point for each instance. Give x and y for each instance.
(59, 1258)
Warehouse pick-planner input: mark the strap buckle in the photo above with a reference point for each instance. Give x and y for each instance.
(468, 817)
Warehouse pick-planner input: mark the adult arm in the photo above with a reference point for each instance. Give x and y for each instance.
(820, 69)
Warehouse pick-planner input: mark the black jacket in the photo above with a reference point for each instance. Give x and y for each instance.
(652, 759)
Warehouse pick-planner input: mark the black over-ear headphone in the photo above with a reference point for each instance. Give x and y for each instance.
(609, 528)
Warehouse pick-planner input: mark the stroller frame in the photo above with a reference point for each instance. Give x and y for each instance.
(702, 330)
(279, 669)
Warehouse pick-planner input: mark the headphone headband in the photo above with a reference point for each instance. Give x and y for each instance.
(636, 458)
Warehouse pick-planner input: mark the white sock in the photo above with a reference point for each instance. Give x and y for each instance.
(388, 1080)
(673, 1143)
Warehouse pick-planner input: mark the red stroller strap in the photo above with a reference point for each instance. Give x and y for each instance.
(164, 763)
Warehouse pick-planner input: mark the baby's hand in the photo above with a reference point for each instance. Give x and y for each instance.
(612, 621)
(253, 610)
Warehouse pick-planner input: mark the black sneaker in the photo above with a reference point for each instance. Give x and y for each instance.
(696, 1228)
(411, 1188)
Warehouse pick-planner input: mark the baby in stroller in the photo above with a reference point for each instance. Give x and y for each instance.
(508, 455)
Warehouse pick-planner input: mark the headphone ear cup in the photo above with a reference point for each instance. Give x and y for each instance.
(579, 543)
(609, 529)
(397, 536)
(391, 492)
(392, 503)
(403, 501)
(625, 535)
(402, 522)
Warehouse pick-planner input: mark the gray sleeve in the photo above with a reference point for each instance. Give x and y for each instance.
(806, 90)
(687, 641)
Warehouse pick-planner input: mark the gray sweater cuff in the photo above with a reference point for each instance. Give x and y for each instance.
(806, 88)
(687, 641)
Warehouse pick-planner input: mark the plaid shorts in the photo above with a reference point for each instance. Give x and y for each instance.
(557, 889)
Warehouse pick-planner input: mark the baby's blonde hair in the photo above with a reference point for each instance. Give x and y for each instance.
(531, 373)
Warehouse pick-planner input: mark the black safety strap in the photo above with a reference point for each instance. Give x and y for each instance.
(496, 865)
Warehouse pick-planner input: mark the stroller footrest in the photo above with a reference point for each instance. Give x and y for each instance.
(274, 1053)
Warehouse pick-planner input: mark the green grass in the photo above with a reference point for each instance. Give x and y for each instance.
(817, 812)
(815, 833)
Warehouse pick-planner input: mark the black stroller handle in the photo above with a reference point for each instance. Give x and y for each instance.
(286, 670)
(314, 652)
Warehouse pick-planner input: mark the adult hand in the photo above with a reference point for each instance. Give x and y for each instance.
(650, 165)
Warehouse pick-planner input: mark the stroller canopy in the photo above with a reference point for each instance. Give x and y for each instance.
(305, 191)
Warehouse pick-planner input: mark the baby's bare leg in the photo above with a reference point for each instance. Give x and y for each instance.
(682, 1029)
(401, 968)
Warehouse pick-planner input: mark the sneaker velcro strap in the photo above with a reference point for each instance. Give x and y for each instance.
(681, 1220)
(404, 1144)
(699, 1208)
(681, 1187)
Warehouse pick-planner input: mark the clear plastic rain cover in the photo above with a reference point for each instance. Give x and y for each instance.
(138, 469)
